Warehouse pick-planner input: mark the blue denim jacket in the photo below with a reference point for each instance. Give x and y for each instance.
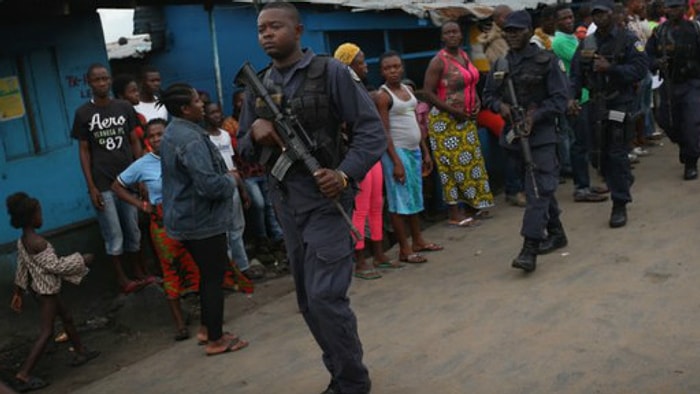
(197, 190)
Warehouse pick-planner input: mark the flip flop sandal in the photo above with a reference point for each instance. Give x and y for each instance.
(61, 338)
(233, 345)
(430, 247)
(151, 279)
(34, 383)
(484, 214)
(133, 286)
(388, 265)
(368, 274)
(82, 358)
(228, 335)
(414, 258)
(467, 222)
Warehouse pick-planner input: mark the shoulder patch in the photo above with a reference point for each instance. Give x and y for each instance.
(562, 67)
(639, 46)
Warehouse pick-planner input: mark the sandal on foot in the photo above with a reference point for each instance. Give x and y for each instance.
(255, 272)
(201, 341)
(182, 334)
(430, 247)
(414, 258)
(31, 384)
(233, 345)
(133, 286)
(61, 337)
(467, 222)
(368, 274)
(151, 279)
(81, 358)
(387, 265)
(483, 214)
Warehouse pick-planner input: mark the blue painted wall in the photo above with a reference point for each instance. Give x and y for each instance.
(188, 56)
(55, 53)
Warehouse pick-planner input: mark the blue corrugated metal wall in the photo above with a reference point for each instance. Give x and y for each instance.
(188, 55)
(53, 56)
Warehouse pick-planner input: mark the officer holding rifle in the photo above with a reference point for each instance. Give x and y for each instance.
(528, 87)
(610, 63)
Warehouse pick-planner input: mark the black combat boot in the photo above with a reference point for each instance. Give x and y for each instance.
(691, 170)
(618, 216)
(527, 259)
(556, 239)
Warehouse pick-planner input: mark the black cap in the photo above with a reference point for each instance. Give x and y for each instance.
(602, 5)
(519, 20)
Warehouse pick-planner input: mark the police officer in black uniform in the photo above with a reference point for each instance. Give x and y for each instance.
(541, 90)
(610, 63)
(675, 49)
(322, 94)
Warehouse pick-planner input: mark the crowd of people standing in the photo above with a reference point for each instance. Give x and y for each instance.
(561, 94)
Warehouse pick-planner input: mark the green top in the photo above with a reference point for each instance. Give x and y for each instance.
(564, 46)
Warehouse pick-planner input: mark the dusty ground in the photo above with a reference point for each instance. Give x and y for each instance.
(614, 312)
(122, 341)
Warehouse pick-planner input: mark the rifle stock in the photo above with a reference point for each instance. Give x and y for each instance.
(292, 133)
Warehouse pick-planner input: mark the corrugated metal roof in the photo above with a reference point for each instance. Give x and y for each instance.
(136, 46)
(438, 11)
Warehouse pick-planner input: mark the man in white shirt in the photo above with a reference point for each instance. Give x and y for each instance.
(150, 87)
(222, 140)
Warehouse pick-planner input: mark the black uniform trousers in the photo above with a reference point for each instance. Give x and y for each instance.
(320, 252)
(615, 162)
(543, 211)
(685, 130)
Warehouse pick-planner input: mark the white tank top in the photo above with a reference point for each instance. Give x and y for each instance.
(405, 131)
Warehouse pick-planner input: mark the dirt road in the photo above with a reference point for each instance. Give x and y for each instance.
(617, 311)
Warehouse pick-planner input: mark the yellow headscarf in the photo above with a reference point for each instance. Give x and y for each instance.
(346, 53)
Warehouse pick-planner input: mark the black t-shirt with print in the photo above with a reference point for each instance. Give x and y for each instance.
(108, 131)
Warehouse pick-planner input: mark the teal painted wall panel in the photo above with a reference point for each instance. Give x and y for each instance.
(189, 58)
(56, 54)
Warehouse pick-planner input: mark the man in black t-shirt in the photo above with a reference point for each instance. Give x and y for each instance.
(107, 133)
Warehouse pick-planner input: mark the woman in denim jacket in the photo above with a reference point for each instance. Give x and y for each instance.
(197, 205)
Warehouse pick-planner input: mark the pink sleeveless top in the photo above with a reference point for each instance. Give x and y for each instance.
(457, 87)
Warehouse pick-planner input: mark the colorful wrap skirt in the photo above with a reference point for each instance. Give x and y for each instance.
(180, 272)
(458, 159)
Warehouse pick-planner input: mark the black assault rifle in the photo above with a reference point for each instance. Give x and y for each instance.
(517, 120)
(597, 106)
(292, 133)
(665, 68)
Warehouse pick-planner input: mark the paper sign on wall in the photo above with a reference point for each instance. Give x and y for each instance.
(11, 103)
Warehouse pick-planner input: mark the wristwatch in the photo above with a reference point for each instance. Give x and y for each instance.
(344, 176)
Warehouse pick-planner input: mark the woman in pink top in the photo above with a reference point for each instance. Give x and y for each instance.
(368, 201)
(450, 86)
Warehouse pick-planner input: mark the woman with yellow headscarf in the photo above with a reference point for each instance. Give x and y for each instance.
(368, 202)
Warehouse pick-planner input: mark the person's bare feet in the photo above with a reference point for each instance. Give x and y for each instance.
(381, 258)
(202, 337)
(427, 247)
(225, 344)
(363, 266)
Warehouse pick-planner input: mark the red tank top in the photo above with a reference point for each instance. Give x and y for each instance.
(457, 87)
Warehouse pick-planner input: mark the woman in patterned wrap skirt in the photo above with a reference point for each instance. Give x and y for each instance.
(450, 86)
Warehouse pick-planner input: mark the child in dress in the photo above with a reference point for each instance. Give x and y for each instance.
(41, 271)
